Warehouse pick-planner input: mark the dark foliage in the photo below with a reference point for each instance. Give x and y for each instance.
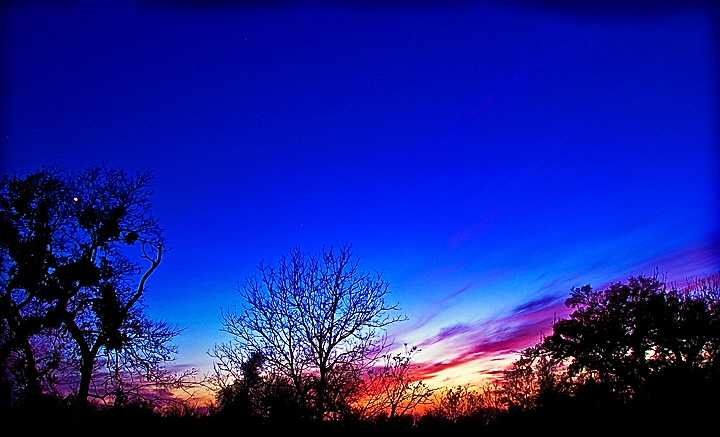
(70, 295)
(635, 357)
(633, 338)
(639, 356)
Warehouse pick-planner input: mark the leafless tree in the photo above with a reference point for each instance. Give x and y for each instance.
(391, 389)
(462, 402)
(315, 318)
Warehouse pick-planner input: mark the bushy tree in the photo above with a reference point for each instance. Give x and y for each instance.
(70, 293)
(628, 336)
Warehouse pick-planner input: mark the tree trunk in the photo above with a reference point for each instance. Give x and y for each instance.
(87, 361)
(320, 407)
(32, 387)
(85, 377)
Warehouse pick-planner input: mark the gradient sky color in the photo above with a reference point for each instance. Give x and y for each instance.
(486, 156)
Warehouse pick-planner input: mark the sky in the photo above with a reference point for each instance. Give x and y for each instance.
(486, 156)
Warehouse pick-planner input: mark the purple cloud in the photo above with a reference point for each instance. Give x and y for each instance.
(536, 304)
(497, 338)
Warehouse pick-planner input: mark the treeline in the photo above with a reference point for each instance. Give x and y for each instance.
(640, 355)
(308, 345)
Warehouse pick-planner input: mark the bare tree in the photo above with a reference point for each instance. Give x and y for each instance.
(316, 319)
(391, 389)
(462, 402)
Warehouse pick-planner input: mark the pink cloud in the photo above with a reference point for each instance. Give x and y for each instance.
(497, 338)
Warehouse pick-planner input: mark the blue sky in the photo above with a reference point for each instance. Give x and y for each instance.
(486, 156)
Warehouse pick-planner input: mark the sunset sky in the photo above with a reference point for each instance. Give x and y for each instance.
(487, 156)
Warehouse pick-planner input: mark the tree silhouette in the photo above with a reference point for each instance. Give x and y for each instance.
(391, 388)
(70, 295)
(245, 396)
(316, 319)
(630, 335)
(533, 380)
(453, 404)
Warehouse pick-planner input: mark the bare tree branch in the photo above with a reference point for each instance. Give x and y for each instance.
(310, 317)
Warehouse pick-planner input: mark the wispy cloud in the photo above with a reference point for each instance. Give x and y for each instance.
(439, 305)
(490, 339)
(448, 334)
(692, 260)
(535, 305)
